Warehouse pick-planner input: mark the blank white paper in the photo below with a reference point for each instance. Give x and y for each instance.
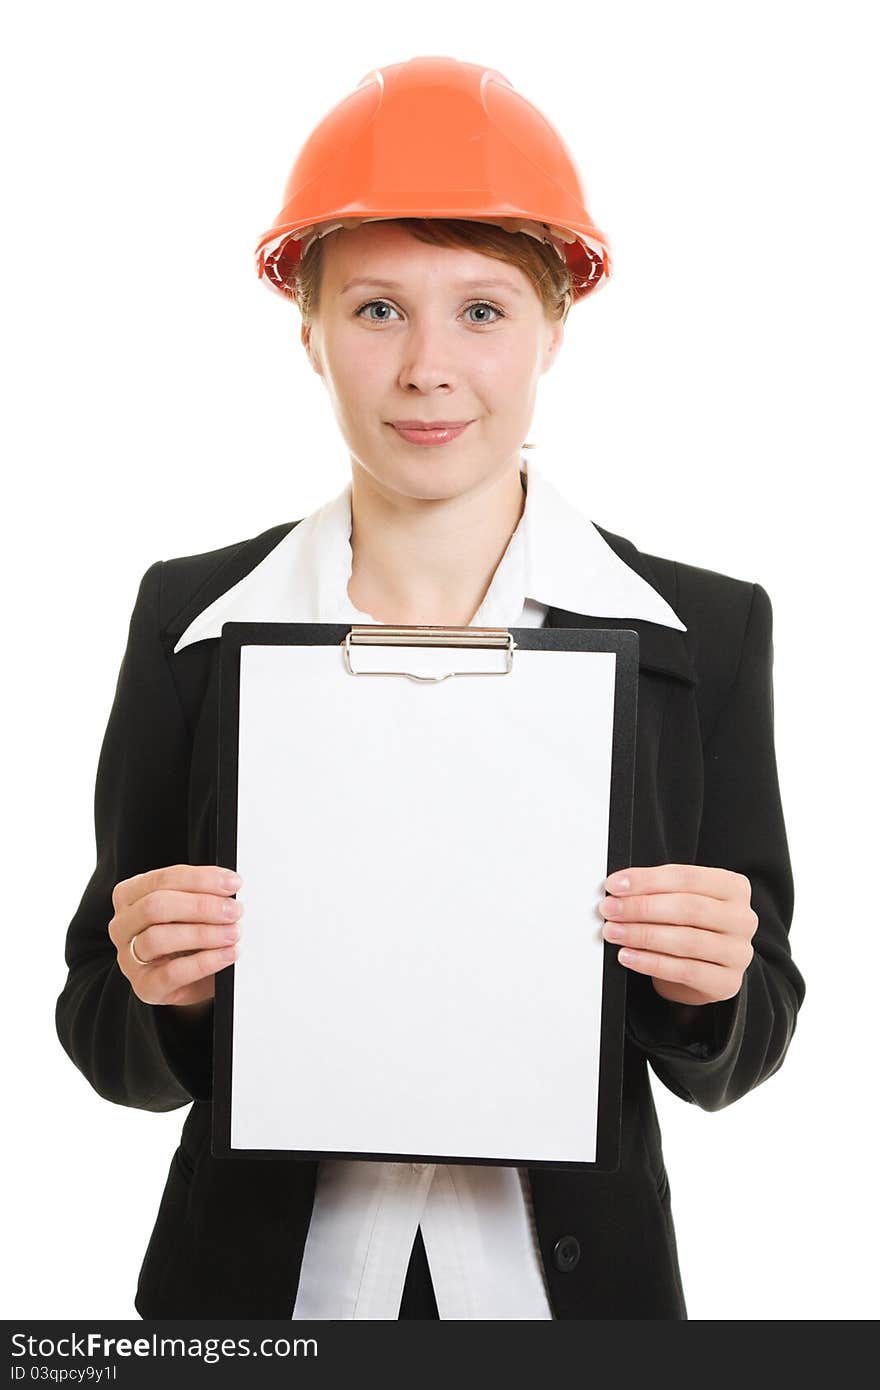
(420, 964)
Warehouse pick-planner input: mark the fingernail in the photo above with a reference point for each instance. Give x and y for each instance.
(232, 881)
(617, 883)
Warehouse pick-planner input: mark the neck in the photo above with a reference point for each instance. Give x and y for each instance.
(417, 561)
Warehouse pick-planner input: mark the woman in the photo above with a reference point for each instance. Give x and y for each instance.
(426, 306)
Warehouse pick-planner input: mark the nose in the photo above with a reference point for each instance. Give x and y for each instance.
(426, 361)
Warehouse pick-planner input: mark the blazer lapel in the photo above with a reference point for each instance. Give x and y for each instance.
(240, 560)
(662, 649)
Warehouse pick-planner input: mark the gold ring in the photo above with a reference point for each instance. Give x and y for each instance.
(134, 952)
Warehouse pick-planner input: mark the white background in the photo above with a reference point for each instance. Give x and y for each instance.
(713, 403)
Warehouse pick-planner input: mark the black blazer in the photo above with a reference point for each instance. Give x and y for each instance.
(229, 1236)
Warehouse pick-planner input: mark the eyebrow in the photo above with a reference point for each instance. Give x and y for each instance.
(460, 285)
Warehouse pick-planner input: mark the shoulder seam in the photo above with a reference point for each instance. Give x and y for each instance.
(677, 579)
(164, 650)
(723, 703)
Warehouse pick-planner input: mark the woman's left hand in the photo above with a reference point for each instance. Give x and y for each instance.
(689, 927)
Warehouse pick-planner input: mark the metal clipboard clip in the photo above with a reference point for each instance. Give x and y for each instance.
(375, 634)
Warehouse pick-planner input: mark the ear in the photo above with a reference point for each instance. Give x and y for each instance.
(306, 338)
(555, 337)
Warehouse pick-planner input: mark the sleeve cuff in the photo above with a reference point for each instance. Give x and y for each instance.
(657, 1025)
(185, 1045)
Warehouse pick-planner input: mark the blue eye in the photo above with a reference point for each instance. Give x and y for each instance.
(479, 303)
(484, 304)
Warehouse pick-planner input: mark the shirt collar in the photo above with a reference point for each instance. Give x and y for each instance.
(556, 556)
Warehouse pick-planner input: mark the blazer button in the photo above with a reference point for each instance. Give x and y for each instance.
(566, 1252)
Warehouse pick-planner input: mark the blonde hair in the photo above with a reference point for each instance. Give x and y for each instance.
(538, 260)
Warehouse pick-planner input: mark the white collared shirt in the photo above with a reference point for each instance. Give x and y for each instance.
(556, 558)
(477, 1220)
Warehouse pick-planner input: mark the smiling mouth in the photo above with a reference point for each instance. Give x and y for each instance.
(430, 435)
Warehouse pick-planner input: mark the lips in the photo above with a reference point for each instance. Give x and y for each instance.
(429, 424)
(430, 435)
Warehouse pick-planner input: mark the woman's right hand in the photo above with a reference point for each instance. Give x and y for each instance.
(186, 927)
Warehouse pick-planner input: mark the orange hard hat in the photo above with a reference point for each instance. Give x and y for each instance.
(435, 137)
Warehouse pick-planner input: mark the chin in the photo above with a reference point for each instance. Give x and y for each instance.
(429, 478)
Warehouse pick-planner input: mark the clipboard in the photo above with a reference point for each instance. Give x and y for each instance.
(423, 819)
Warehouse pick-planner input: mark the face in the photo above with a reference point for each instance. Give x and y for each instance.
(437, 341)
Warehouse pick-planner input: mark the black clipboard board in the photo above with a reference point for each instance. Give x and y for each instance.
(624, 644)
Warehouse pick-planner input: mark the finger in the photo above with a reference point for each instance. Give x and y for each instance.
(168, 976)
(682, 909)
(197, 993)
(714, 980)
(170, 905)
(191, 878)
(691, 942)
(679, 878)
(177, 938)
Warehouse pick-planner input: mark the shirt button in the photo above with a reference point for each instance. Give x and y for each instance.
(566, 1252)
